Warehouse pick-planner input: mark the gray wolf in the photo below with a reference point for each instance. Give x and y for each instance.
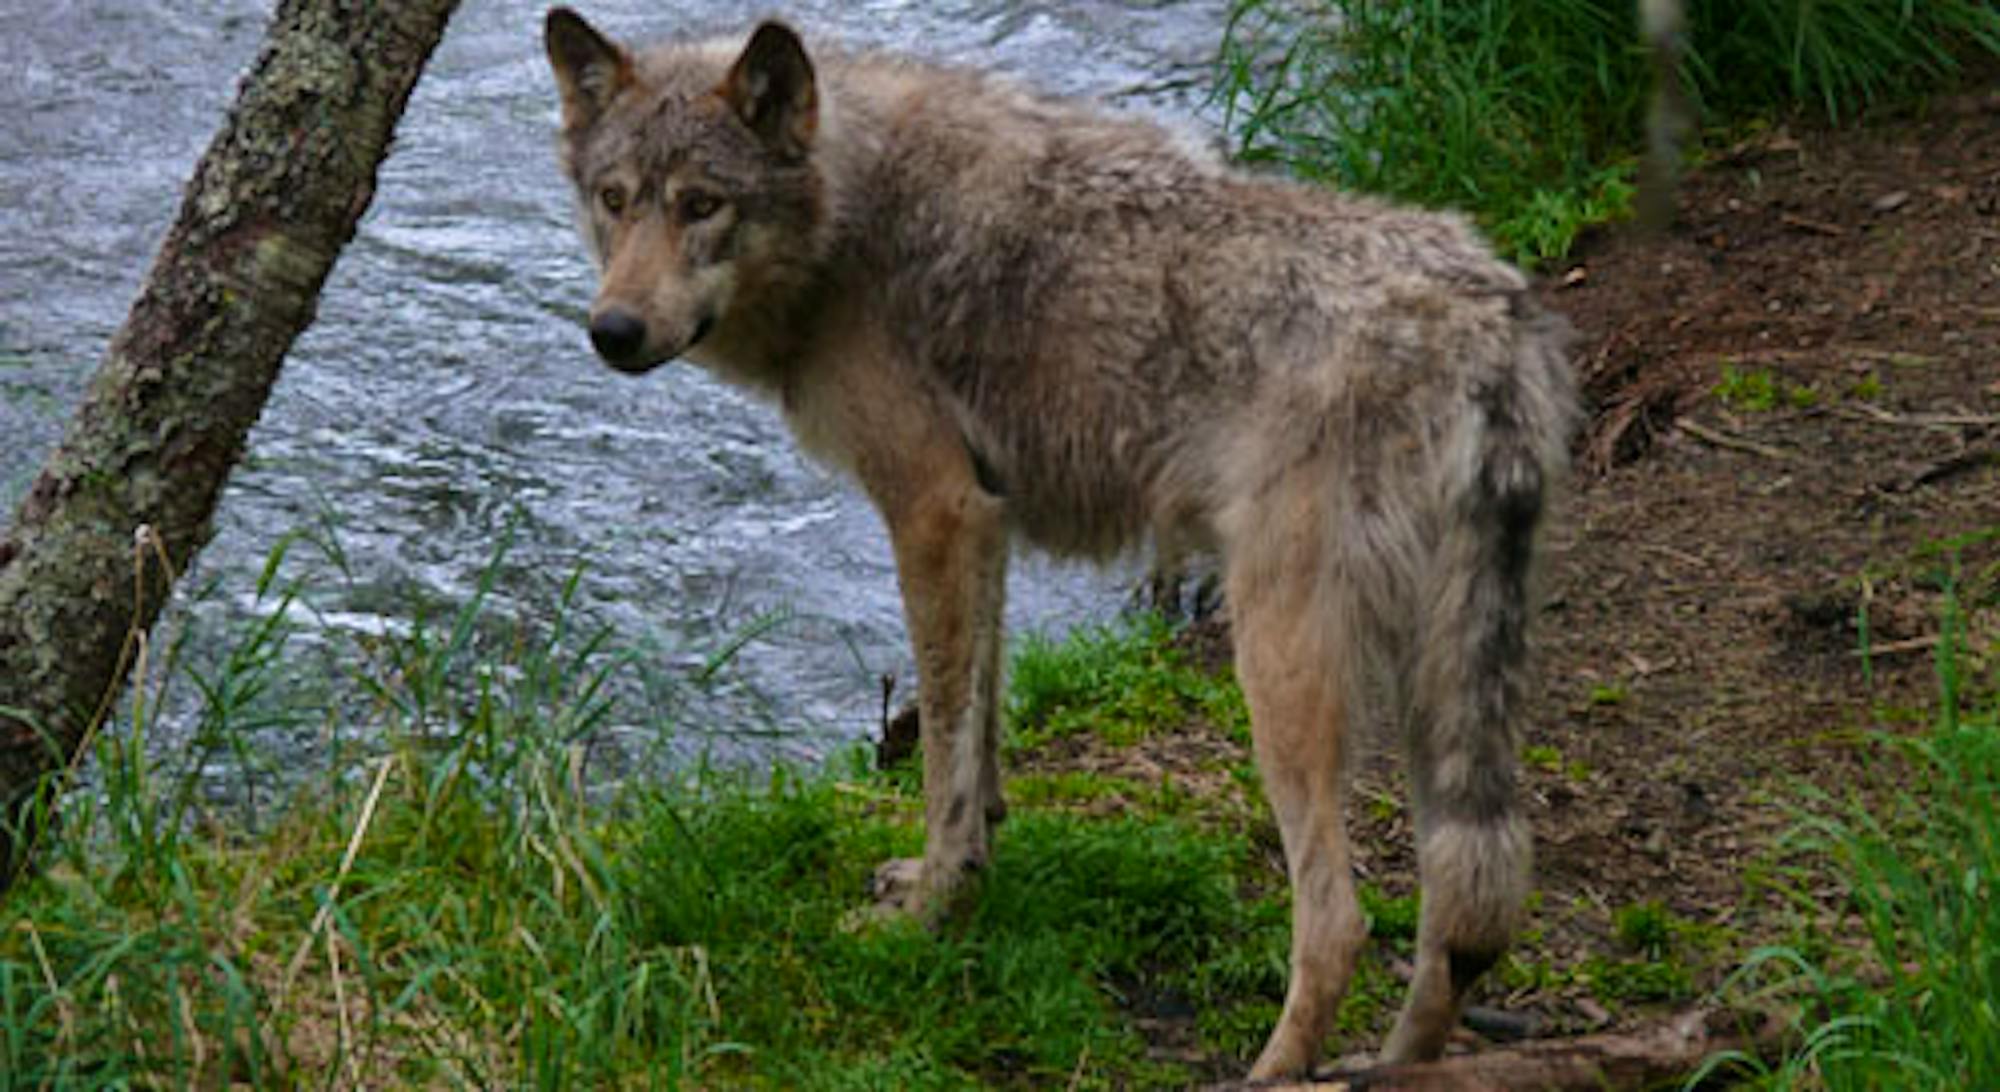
(1014, 317)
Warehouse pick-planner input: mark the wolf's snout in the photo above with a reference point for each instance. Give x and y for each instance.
(620, 337)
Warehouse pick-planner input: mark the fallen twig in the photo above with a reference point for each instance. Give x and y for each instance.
(1958, 462)
(1637, 1059)
(1864, 411)
(1969, 459)
(1890, 648)
(1719, 438)
(1817, 227)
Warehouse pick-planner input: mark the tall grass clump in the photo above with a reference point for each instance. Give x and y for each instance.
(1529, 113)
(1914, 855)
(432, 905)
(1832, 57)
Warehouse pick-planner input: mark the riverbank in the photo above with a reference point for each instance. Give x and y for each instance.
(1796, 418)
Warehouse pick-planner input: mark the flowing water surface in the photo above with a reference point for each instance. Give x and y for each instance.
(446, 395)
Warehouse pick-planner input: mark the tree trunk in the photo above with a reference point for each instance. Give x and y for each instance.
(125, 501)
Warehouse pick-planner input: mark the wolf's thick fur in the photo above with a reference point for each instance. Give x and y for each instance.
(1012, 316)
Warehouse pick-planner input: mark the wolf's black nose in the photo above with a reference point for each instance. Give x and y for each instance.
(618, 335)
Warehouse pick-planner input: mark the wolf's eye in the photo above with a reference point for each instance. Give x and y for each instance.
(696, 206)
(613, 199)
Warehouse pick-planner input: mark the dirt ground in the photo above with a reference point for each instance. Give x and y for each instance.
(1701, 638)
(1699, 647)
(1704, 578)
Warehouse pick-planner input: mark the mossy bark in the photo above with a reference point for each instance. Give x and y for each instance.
(125, 501)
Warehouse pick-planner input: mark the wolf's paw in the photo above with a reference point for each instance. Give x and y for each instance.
(897, 886)
(894, 894)
(909, 887)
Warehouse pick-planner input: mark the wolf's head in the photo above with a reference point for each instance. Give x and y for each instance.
(694, 179)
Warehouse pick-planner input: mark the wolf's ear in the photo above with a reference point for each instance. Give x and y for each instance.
(771, 88)
(591, 71)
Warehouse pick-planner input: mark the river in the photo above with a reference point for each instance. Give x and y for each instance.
(446, 396)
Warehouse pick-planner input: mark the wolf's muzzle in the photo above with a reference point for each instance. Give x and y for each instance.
(620, 338)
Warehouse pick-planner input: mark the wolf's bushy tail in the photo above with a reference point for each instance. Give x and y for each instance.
(1450, 605)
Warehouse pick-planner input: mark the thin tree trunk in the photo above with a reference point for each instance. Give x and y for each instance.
(125, 501)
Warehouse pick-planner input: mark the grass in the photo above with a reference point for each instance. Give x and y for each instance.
(458, 898)
(1120, 682)
(1529, 113)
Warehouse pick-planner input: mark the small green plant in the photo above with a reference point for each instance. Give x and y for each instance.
(1382, 806)
(1756, 390)
(1542, 756)
(1392, 918)
(1070, 787)
(1645, 927)
(1638, 980)
(1761, 390)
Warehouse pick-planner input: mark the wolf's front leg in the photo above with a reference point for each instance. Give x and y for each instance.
(951, 560)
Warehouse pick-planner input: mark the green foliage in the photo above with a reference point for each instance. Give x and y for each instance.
(1529, 113)
(1748, 389)
(764, 886)
(1084, 788)
(1518, 111)
(1541, 756)
(1636, 979)
(1663, 956)
(1392, 918)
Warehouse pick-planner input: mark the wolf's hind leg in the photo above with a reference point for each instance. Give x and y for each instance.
(1289, 654)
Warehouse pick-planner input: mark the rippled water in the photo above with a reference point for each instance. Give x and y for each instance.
(446, 391)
